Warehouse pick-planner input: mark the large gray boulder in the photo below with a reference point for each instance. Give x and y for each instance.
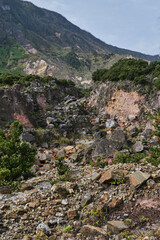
(105, 148)
(110, 123)
(28, 137)
(138, 146)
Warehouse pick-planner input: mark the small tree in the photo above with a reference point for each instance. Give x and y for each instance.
(15, 157)
(155, 151)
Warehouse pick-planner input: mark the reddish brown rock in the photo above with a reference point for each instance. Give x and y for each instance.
(106, 176)
(26, 187)
(113, 174)
(72, 214)
(34, 204)
(116, 227)
(115, 203)
(88, 230)
(124, 105)
(5, 190)
(105, 197)
(138, 178)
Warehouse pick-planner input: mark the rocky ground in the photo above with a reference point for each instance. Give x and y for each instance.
(100, 197)
(90, 205)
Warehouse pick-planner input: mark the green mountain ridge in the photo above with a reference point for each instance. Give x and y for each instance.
(38, 41)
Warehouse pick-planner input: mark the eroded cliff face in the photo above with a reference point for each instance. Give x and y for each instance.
(125, 102)
(30, 104)
(124, 105)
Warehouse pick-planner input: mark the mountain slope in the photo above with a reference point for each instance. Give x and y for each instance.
(39, 41)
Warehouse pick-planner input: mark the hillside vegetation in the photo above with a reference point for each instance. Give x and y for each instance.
(138, 71)
(29, 35)
(11, 79)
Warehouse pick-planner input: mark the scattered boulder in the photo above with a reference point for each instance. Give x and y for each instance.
(105, 148)
(28, 137)
(26, 187)
(138, 178)
(110, 123)
(60, 189)
(138, 146)
(72, 214)
(95, 176)
(86, 199)
(106, 176)
(5, 190)
(115, 203)
(116, 227)
(42, 227)
(61, 153)
(112, 174)
(88, 230)
(118, 135)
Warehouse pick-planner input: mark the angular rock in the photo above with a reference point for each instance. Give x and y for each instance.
(108, 175)
(42, 156)
(138, 178)
(74, 157)
(88, 230)
(138, 146)
(105, 148)
(47, 167)
(116, 227)
(115, 203)
(88, 154)
(118, 135)
(61, 153)
(26, 187)
(72, 214)
(5, 190)
(105, 197)
(86, 199)
(110, 123)
(42, 227)
(28, 137)
(95, 176)
(112, 174)
(60, 189)
(33, 204)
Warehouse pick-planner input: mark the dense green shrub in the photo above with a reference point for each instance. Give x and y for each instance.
(16, 158)
(155, 151)
(157, 83)
(73, 60)
(136, 70)
(98, 75)
(129, 158)
(11, 79)
(62, 168)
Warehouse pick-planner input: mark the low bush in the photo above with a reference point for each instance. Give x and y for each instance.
(62, 168)
(16, 158)
(129, 158)
(136, 70)
(153, 150)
